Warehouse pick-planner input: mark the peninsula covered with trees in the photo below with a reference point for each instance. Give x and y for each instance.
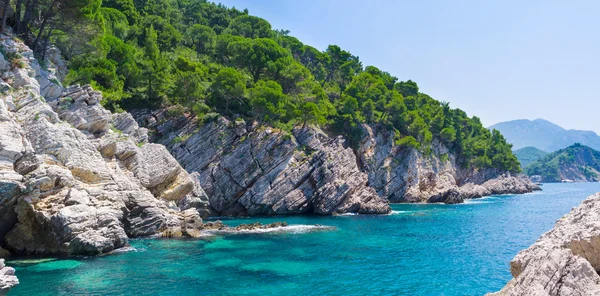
(203, 59)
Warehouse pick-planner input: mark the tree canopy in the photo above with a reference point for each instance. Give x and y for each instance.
(208, 58)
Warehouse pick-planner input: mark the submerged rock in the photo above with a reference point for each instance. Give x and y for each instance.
(565, 260)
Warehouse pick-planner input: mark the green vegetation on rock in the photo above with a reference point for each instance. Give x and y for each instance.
(576, 163)
(209, 59)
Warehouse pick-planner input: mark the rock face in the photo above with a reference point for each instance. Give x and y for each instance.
(74, 178)
(407, 175)
(251, 170)
(7, 278)
(565, 260)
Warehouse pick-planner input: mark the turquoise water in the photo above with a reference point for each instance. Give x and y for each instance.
(418, 250)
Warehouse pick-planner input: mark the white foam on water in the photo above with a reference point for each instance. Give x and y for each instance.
(300, 228)
(474, 201)
(399, 212)
(127, 250)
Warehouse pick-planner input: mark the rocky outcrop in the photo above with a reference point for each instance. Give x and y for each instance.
(7, 278)
(245, 169)
(75, 178)
(252, 170)
(408, 175)
(565, 260)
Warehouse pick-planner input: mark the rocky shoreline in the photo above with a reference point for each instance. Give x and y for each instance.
(564, 260)
(76, 179)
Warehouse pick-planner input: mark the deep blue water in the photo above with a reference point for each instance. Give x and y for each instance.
(419, 250)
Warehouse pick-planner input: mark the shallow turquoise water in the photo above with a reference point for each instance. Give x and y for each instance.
(419, 250)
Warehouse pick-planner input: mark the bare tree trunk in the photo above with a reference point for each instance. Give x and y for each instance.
(24, 28)
(18, 15)
(46, 44)
(4, 15)
(39, 35)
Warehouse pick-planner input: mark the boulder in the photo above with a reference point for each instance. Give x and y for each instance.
(196, 199)
(7, 278)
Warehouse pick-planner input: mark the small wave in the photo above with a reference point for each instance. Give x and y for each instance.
(347, 214)
(399, 212)
(283, 229)
(30, 261)
(475, 202)
(482, 200)
(393, 212)
(127, 250)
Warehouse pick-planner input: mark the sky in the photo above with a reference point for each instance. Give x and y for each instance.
(498, 60)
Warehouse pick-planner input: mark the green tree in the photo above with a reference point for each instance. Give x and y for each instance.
(189, 82)
(368, 110)
(155, 68)
(268, 101)
(312, 114)
(341, 66)
(202, 38)
(223, 52)
(228, 86)
(349, 105)
(395, 111)
(168, 37)
(257, 56)
(407, 88)
(315, 61)
(448, 135)
(124, 6)
(250, 27)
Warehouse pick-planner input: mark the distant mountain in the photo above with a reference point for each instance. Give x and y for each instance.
(577, 162)
(544, 135)
(528, 155)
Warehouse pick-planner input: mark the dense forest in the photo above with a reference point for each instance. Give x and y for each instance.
(203, 59)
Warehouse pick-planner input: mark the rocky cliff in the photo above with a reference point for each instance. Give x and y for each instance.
(247, 169)
(403, 174)
(75, 178)
(565, 260)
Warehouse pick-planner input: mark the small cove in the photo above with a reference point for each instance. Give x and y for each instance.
(431, 249)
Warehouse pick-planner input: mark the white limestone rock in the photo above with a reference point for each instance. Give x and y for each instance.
(68, 184)
(565, 260)
(7, 278)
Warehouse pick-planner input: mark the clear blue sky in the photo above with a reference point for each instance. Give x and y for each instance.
(499, 60)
